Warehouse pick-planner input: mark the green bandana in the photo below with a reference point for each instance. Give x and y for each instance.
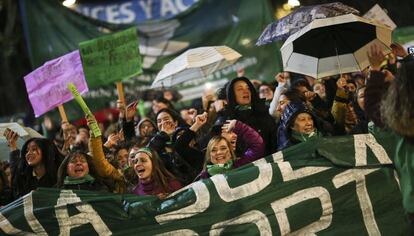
(243, 107)
(304, 137)
(85, 179)
(219, 168)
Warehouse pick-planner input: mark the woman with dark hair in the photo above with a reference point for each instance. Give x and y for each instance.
(77, 172)
(244, 104)
(35, 166)
(168, 121)
(389, 103)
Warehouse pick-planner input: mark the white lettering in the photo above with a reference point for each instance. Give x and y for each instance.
(358, 175)
(181, 6)
(280, 206)
(30, 217)
(95, 12)
(112, 14)
(277, 156)
(256, 217)
(146, 6)
(232, 194)
(361, 141)
(125, 10)
(8, 228)
(289, 174)
(200, 205)
(167, 6)
(87, 215)
(183, 232)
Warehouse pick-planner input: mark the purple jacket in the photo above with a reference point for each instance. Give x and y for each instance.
(149, 188)
(252, 140)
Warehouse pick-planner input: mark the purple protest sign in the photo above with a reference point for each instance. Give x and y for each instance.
(47, 86)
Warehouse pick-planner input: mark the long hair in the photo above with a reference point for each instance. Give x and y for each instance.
(174, 115)
(397, 107)
(50, 158)
(62, 171)
(159, 175)
(213, 141)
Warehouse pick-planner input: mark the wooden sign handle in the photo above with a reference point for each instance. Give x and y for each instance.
(62, 113)
(120, 89)
(121, 95)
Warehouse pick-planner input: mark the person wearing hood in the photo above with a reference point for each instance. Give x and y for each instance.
(298, 124)
(244, 104)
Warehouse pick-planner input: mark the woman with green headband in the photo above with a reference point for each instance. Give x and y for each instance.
(153, 178)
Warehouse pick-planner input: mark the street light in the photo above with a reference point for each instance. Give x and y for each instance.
(68, 3)
(293, 3)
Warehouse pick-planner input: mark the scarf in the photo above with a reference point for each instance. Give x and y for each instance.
(72, 181)
(305, 137)
(219, 168)
(243, 107)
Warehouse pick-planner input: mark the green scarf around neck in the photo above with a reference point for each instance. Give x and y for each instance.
(85, 179)
(219, 168)
(243, 107)
(305, 137)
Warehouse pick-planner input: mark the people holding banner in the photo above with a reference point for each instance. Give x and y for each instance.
(77, 172)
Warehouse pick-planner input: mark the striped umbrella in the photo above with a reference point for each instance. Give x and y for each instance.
(333, 46)
(195, 63)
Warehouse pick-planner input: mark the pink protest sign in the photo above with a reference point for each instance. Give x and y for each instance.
(47, 86)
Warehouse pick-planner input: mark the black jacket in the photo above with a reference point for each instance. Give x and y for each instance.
(257, 117)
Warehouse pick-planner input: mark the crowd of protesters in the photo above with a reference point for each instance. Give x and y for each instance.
(240, 123)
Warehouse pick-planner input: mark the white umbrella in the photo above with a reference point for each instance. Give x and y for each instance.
(333, 46)
(194, 64)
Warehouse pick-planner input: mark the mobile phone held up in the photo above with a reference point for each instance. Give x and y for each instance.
(410, 50)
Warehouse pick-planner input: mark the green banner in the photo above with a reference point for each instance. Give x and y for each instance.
(111, 58)
(335, 186)
(234, 23)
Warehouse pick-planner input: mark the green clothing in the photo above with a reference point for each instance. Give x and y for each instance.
(305, 137)
(85, 179)
(403, 153)
(219, 168)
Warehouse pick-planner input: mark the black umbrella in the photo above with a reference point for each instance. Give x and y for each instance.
(333, 46)
(290, 24)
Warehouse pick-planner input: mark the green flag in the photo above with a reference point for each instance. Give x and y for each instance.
(326, 186)
(111, 58)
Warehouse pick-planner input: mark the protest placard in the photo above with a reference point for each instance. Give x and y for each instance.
(47, 85)
(111, 58)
